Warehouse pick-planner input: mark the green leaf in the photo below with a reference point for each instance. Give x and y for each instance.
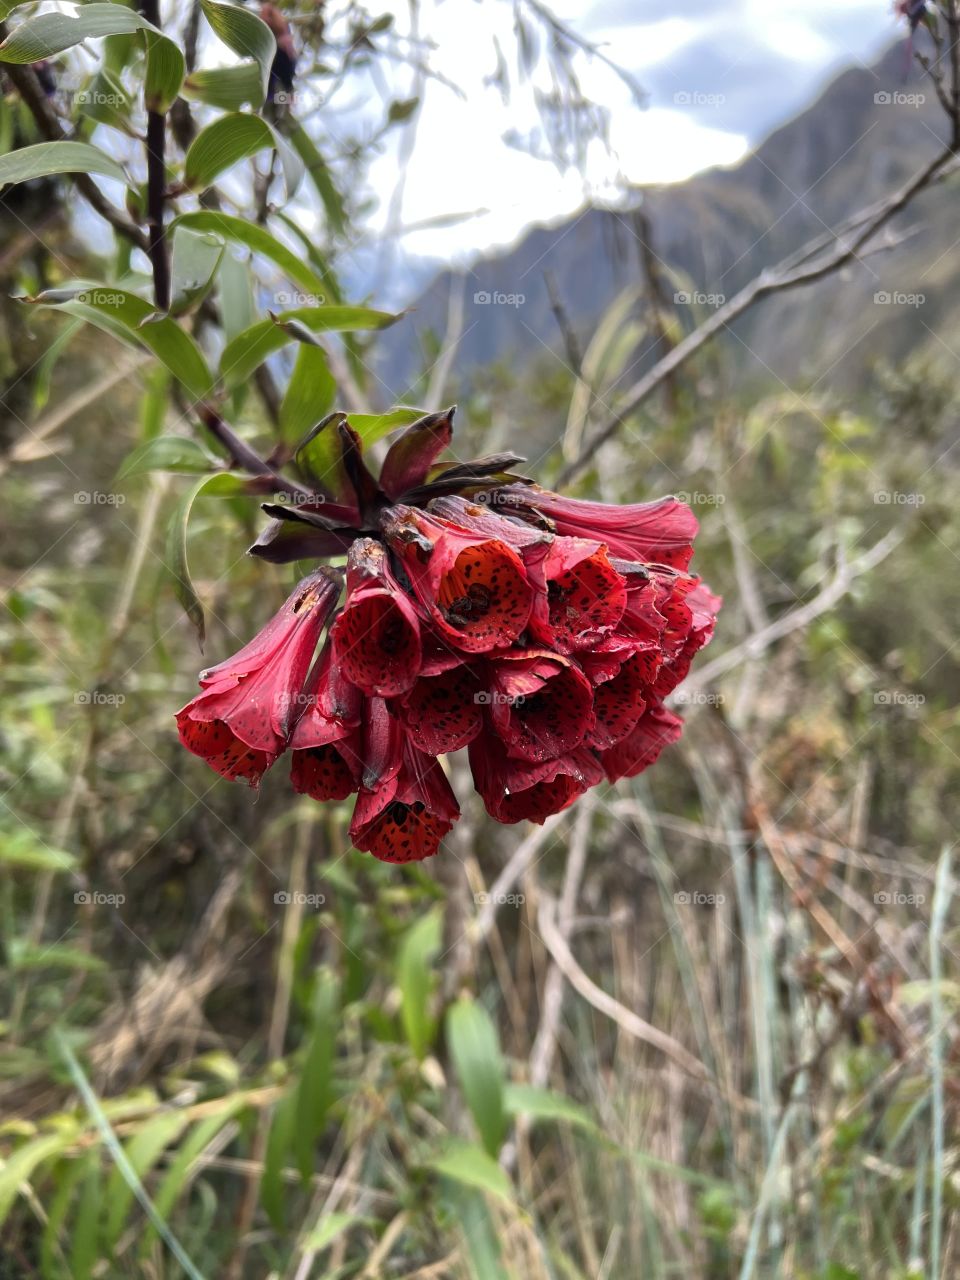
(59, 1207)
(154, 402)
(329, 1228)
(237, 307)
(317, 260)
(47, 34)
(256, 238)
(165, 71)
(244, 33)
(470, 1165)
(321, 177)
(371, 427)
(194, 262)
(167, 453)
(310, 395)
(544, 1104)
(226, 142)
(143, 1151)
(84, 1241)
(122, 314)
(248, 350)
(415, 978)
(315, 1089)
(189, 1151)
(53, 955)
(175, 557)
(228, 88)
(279, 1143)
(480, 1239)
(20, 1167)
(118, 1155)
(46, 158)
(25, 850)
(475, 1049)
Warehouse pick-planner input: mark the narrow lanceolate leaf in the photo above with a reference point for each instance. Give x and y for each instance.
(26, 851)
(310, 394)
(47, 158)
(167, 453)
(371, 427)
(196, 257)
(475, 1050)
(47, 34)
(20, 1167)
(259, 240)
(228, 88)
(244, 33)
(123, 314)
(248, 350)
(471, 1166)
(176, 561)
(165, 71)
(416, 980)
(223, 144)
(545, 1104)
(321, 177)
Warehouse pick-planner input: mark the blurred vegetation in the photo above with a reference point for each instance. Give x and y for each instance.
(708, 1028)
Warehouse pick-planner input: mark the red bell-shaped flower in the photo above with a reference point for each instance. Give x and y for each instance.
(376, 637)
(242, 720)
(475, 589)
(404, 817)
(327, 747)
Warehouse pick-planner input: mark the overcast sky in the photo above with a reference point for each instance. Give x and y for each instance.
(720, 74)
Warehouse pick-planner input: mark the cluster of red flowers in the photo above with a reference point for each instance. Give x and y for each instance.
(541, 632)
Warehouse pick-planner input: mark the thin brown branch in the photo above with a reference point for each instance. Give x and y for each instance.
(796, 619)
(625, 1018)
(24, 80)
(776, 279)
(156, 184)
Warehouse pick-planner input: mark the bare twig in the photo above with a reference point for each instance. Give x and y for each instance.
(544, 1046)
(802, 616)
(156, 184)
(844, 248)
(625, 1018)
(24, 80)
(522, 858)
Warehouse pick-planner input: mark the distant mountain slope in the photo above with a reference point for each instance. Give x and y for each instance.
(866, 133)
